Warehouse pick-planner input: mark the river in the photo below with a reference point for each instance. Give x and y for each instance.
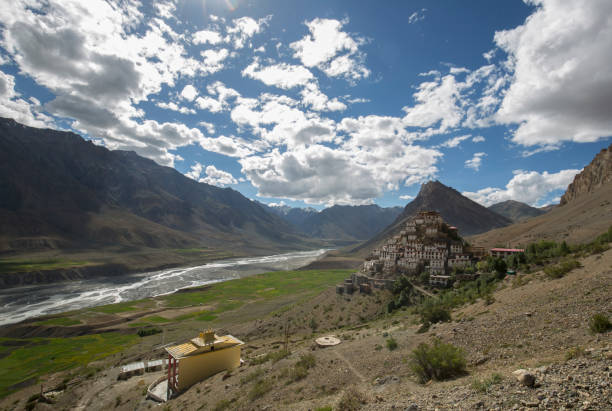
(18, 304)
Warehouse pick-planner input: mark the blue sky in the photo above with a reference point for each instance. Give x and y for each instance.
(324, 102)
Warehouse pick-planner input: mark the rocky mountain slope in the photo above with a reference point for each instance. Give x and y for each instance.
(585, 213)
(515, 210)
(467, 215)
(595, 175)
(293, 215)
(59, 191)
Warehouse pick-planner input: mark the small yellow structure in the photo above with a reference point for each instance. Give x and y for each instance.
(201, 357)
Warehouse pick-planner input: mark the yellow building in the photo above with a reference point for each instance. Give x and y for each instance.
(200, 358)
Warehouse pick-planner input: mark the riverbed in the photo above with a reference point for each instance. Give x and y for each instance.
(20, 303)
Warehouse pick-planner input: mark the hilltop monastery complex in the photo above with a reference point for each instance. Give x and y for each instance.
(425, 245)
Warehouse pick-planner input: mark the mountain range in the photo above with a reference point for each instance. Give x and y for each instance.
(338, 223)
(59, 191)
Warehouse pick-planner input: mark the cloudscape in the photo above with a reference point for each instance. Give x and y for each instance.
(319, 103)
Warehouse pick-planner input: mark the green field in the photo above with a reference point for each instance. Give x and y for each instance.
(25, 360)
(39, 356)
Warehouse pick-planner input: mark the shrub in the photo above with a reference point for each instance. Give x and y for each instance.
(148, 331)
(260, 389)
(434, 314)
(391, 344)
(485, 385)
(351, 400)
(599, 323)
(558, 271)
(439, 361)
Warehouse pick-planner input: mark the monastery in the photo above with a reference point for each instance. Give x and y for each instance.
(426, 244)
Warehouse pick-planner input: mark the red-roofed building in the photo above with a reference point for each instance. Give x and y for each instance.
(505, 252)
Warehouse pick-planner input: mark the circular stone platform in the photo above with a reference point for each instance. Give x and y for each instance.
(327, 341)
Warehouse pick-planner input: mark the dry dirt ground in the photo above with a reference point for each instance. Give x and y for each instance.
(535, 323)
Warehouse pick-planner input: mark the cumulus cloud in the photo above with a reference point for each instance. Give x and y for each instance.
(99, 68)
(561, 87)
(281, 75)
(189, 92)
(406, 197)
(175, 107)
(331, 50)
(244, 28)
(475, 161)
(478, 139)
(525, 186)
(12, 105)
(207, 36)
(210, 175)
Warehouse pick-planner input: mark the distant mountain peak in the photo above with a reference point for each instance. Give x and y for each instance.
(515, 210)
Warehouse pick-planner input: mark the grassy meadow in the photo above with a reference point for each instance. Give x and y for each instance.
(24, 360)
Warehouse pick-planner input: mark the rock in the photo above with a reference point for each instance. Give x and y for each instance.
(412, 407)
(525, 378)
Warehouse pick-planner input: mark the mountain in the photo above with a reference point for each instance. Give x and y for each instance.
(59, 191)
(349, 223)
(339, 224)
(584, 213)
(594, 175)
(515, 210)
(467, 215)
(294, 215)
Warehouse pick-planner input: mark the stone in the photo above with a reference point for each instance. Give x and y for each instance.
(412, 407)
(525, 378)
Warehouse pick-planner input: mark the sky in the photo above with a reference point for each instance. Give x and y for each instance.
(315, 103)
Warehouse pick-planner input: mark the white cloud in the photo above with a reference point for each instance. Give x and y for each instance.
(526, 186)
(189, 92)
(99, 67)
(228, 145)
(223, 96)
(175, 107)
(417, 16)
(561, 86)
(212, 175)
(437, 101)
(279, 204)
(318, 101)
(281, 75)
(406, 197)
(207, 36)
(244, 28)
(213, 60)
(331, 50)
(455, 141)
(475, 161)
(13, 106)
(478, 139)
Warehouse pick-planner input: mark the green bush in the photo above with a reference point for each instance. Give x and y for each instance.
(574, 352)
(599, 323)
(251, 376)
(431, 314)
(439, 361)
(558, 271)
(148, 331)
(391, 344)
